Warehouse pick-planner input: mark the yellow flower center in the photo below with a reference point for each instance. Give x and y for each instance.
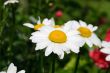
(57, 26)
(37, 26)
(57, 36)
(85, 32)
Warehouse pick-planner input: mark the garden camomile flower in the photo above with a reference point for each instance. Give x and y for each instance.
(39, 24)
(86, 32)
(56, 40)
(106, 49)
(11, 2)
(12, 69)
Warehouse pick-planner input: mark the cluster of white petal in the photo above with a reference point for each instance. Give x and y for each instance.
(11, 2)
(12, 69)
(46, 21)
(106, 49)
(74, 38)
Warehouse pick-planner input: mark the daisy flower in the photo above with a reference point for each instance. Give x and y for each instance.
(12, 69)
(86, 32)
(56, 40)
(39, 24)
(11, 2)
(106, 49)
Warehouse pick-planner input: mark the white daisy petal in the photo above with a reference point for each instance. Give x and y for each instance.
(49, 22)
(11, 2)
(37, 37)
(90, 26)
(106, 44)
(46, 21)
(95, 40)
(67, 26)
(6, 2)
(22, 71)
(95, 28)
(75, 25)
(105, 50)
(12, 68)
(66, 49)
(40, 40)
(28, 25)
(108, 58)
(89, 43)
(71, 25)
(52, 22)
(46, 28)
(61, 56)
(48, 51)
(83, 23)
(36, 48)
(78, 40)
(2, 72)
(57, 50)
(38, 21)
(75, 49)
(72, 33)
(41, 45)
(38, 33)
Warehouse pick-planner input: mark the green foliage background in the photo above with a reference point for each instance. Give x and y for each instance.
(16, 47)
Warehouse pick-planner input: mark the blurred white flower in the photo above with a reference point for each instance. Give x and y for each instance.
(106, 49)
(39, 24)
(11, 2)
(56, 40)
(12, 69)
(86, 32)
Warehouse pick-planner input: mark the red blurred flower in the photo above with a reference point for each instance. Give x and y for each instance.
(99, 59)
(58, 13)
(107, 37)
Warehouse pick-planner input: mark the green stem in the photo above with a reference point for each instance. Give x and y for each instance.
(12, 26)
(99, 71)
(76, 63)
(13, 14)
(1, 10)
(41, 62)
(53, 63)
(107, 71)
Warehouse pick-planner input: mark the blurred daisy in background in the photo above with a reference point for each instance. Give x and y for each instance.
(39, 24)
(106, 49)
(56, 40)
(11, 2)
(86, 32)
(12, 69)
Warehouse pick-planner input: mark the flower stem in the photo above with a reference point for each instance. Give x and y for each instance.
(41, 62)
(13, 14)
(99, 71)
(107, 71)
(1, 10)
(53, 63)
(76, 63)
